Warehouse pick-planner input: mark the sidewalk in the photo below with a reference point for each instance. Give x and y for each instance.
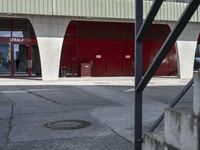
(107, 103)
(126, 81)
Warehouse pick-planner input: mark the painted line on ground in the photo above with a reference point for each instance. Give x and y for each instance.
(31, 90)
(130, 90)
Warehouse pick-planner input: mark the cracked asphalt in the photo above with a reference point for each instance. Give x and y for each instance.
(107, 103)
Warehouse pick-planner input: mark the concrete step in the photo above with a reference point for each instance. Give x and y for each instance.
(180, 132)
(181, 126)
(154, 141)
(181, 129)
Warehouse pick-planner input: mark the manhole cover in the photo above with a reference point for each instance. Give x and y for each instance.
(67, 124)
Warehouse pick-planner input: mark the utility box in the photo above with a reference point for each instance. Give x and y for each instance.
(85, 70)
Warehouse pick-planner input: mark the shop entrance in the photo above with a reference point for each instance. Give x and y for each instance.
(20, 59)
(5, 59)
(19, 54)
(15, 60)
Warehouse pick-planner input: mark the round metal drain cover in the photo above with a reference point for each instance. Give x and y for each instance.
(67, 124)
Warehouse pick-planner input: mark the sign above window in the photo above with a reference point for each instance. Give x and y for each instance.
(19, 40)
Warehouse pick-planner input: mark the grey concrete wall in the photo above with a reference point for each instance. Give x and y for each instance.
(154, 141)
(179, 130)
(50, 33)
(186, 46)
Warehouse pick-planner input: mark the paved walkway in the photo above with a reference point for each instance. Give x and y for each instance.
(107, 103)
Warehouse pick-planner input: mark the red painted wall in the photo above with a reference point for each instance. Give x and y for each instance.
(109, 48)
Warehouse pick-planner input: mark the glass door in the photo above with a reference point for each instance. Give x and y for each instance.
(20, 59)
(5, 59)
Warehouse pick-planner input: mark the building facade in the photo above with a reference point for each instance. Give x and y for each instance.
(74, 38)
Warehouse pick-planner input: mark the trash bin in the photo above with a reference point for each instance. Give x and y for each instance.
(63, 71)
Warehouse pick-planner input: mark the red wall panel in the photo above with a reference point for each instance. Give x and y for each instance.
(127, 59)
(99, 65)
(113, 60)
(109, 48)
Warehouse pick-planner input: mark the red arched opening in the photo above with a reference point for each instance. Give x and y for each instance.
(106, 49)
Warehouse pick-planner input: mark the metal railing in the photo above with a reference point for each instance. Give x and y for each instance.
(141, 30)
(172, 105)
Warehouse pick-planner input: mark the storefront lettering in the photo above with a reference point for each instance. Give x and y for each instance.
(20, 40)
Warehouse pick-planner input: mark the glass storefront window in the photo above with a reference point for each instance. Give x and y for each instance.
(17, 34)
(20, 58)
(5, 58)
(5, 34)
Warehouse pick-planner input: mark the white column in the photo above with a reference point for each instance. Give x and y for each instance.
(50, 33)
(186, 53)
(186, 46)
(50, 50)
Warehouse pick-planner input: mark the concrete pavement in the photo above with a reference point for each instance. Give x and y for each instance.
(26, 105)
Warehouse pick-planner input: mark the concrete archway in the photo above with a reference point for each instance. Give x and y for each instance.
(107, 49)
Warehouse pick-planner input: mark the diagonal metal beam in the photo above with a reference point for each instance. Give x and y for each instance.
(172, 104)
(149, 20)
(166, 47)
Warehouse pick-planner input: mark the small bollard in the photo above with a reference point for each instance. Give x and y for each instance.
(196, 93)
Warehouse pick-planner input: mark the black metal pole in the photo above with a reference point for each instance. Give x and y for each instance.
(138, 76)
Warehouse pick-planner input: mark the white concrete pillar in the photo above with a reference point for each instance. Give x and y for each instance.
(50, 33)
(186, 46)
(186, 53)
